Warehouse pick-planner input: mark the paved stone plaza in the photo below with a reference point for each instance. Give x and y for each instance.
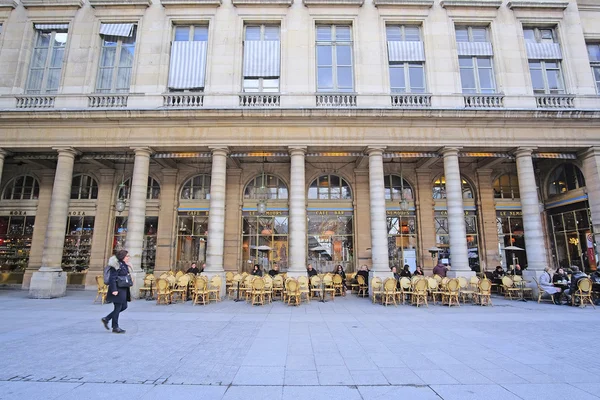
(347, 349)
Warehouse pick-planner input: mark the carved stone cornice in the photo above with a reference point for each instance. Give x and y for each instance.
(119, 3)
(8, 4)
(471, 3)
(537, 4)
(332, 3)
(262, 3)
(403, 3)
(187, 3)
(52, 3)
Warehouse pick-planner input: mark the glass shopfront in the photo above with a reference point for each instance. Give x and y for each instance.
(192, 238)
(265, 239)
(78, 241)
(330, 240)
(572, 236)
(16, 231)
(149, 245)
(442, 237)
(511, 236)
(402, 238)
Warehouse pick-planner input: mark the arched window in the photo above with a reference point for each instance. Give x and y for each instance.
(506, 187)
(275, 188)
(329, 187)
(439, 189)
(564, 178)
(152, 191)
(196, 188)
(84, 187)
(23, 187)
(397, 188)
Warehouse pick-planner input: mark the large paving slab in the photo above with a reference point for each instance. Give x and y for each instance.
(346, 349)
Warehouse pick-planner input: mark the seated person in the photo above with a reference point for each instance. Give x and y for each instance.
(405, 271)
(548, 287)
(498, 272)
(339, 270)
(397, 276)
(364, 272)
(576, 276)
(256, 270)
(193, 269)
(310, 271)
(419, 271)
(274, 271)
(440, 270)
(560, 276)
(595, 277)
(518, 270)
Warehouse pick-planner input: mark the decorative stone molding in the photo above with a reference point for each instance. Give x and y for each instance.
(120, 3)
(183, 100)
(107, 100)
(411, 100)
(186, 3)
(555, 100)
(262, 3)
(588, 5)
(471, 3)
(8, 3)
(336, 100)
(547, 4)
(52, 3)
(403, 3)
(259, 100)
(484, 100)
(317, 3)
(35, 101)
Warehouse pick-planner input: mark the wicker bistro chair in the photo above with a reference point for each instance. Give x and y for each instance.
(201, 291)
(362, 286)
(338, 285)
(389, 291)
(214, 289)
(292, 291)
(258, 291)
(376, 290)
(484, 295)
(452, 292)
(179, 274)
(509, 288)
(304, 288)
(405, 289)
(268, 288)
(228, 280)
(419, 293)
(163, 291)
(541, 292)
(180, 289)
(149, 286)
(278, 286)
(315, 286)
(474, 283)
(521, 284)
(233, 288)
(102, 289)
(433, 287)
(584, 292)
(465, 291)
(328, 286)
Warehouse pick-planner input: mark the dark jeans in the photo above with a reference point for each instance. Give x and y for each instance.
(114, 315)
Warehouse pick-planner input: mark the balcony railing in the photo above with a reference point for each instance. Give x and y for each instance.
(554, 101)
(183, 100)
(259, 100)
(107, 100)
(484, 100)
(336, 100)
(410, 100)
(35, 101)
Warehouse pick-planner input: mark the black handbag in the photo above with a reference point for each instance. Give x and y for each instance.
(124, 281)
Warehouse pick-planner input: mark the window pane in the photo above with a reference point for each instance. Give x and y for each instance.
(484, 62)
(35, 80)
(57, 58)
(324, 78)
(270, 83)
(60, 39)
(39, 58)
(323, 33)
(271, 33)
(465, 62)
(108, 57)
(417, 80)
(182, 33)
(253, 33)
(344, 55)
(43, 39)
(554, 82)
(126, 59)
(551, 65)
(546, 35)
(393, 33)
(529, 35)
(486, 79)
(467, 79)
(479, 34)
(411, 34)
(342, 33)
(104, 79)
(251, 85)
(397, 78)
(594, 52)
(200, 33)
(462, 34)
(53, 80)
(324, 57)
(344, 77)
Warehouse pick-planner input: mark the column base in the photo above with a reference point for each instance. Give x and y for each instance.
(138, 282)
(457, 274)
(296, 274)
(48, 284)
(211, 274)
(383, 275)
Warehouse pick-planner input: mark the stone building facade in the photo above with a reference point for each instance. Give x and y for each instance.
(235, 132)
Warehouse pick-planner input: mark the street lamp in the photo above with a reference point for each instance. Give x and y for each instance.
(261, 193)
(120, 203)
(434, 251)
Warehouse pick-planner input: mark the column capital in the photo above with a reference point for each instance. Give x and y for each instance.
(378, 150)
(219, 150)
(67, 151)
(169, 172)
(524, 151)
(297, 150)
(4, 153)
(484, 171)
(450, 151)
(593, 151)
(142, 151)
(106, 173)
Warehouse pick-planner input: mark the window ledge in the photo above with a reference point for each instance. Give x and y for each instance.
(471, 3)
(403, 3)
(8, 3)
(52, 3)
(119, 3)
(286, 3)
(313, 3)
(548, 4)
(35, 101)
(176, 3)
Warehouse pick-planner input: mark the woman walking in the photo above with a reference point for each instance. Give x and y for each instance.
(118, 294)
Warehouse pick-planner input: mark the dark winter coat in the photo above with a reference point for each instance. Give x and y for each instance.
(117, 268)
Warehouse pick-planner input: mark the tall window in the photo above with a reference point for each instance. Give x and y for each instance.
(196, 188)
(406, 59)
(116, 58)
(439, 189)
(594, 53)
(565, 178)
(84, 187)
(261, 58)
(188, 58)
(329, 187)
(23, 187)
(475, 60)
(47, 59)
(334, 58)
(544, 54)
(152, 190)
(506, 187)
(275, 188)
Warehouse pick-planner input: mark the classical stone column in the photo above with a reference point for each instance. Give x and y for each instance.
(167, 218)
(50, 281)
(530, 205)
(379, 239)
(137, 215)
(488, 243)
(591, 171)
(459, 259)
(2, 156)
(297, 228)
(216, 216)
(426, 219)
